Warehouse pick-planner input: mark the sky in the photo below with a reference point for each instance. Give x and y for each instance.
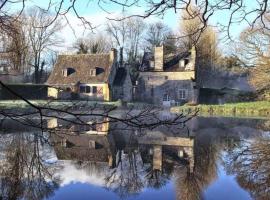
(97, 15)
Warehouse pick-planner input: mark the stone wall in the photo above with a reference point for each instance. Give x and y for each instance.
(153, 86)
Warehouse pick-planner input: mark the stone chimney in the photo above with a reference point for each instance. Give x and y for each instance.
(113, 55)
(192, 60)
(159, 58)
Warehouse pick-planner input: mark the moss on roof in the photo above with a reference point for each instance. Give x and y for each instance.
(82, 64)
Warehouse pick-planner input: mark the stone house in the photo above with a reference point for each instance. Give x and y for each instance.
(86, 76)
(167, 79)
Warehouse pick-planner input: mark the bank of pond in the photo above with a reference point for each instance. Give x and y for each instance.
(259, 109)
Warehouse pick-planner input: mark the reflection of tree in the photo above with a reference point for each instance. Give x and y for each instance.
(24, 174)
(126, 179)
(251, 163)
(189, 186)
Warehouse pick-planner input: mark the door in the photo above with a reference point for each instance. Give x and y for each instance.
(166, 100)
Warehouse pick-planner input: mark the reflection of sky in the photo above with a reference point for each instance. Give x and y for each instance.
(225, 187)
(78, 184)
(87, 191)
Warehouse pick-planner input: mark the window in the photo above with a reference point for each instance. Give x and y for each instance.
(82, 89)
(68, 71)
(85, 89)
(166, 97)
(94, 89)
(182, 94)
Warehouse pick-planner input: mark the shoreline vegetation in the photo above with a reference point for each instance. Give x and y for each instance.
(242, 109)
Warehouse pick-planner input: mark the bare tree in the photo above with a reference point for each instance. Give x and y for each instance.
(118, 32)
(92, 43)
(42, 39)
(135, 28)
(14, 47)
(156, 33)
(238, 11)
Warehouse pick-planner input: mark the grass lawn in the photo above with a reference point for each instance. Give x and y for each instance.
(20, 104)
(257, 108)
(16, 104)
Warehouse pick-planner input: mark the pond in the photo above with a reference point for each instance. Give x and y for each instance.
(214, 158)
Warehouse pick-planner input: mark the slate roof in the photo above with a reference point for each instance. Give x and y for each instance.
(82, 64)
(170, 61)
(120, 76)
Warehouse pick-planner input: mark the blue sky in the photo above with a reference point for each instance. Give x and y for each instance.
(96, 15)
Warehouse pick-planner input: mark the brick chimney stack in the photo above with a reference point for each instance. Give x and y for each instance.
(159, 58)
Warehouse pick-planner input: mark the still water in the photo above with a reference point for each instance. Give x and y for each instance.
(214, 158)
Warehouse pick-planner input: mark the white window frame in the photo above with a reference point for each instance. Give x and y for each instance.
(168, 98)
(182, 94)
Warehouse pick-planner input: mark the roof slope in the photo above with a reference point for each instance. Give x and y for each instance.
(82, 64)
(170, 61)
(120, 76)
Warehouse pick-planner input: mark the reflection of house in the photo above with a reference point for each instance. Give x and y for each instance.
(91, 127)
(181, 147)
(83, 147)
(167, 79)
(89, 142)
(85, 76)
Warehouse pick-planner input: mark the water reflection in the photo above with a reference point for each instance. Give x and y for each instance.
(127, 161)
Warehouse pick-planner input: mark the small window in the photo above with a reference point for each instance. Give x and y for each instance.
(68, 71)
(166, 97)
(87, 89)
(166, 77)
(182, 94)
(94, 89)
(82, 89)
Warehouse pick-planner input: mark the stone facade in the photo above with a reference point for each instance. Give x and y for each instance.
(170, 86)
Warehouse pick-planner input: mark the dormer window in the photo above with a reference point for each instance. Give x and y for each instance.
(68, 71)
(93, 72)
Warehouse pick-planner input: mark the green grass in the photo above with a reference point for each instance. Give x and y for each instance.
(19, 104)
(258, 108)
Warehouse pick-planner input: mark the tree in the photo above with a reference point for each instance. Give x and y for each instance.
(94, 43)
(194, 33)
(253, 50)
(156, 33)
(118, 32)
(127, 36)
(42, 39)
(135, 28)
(13, 43)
